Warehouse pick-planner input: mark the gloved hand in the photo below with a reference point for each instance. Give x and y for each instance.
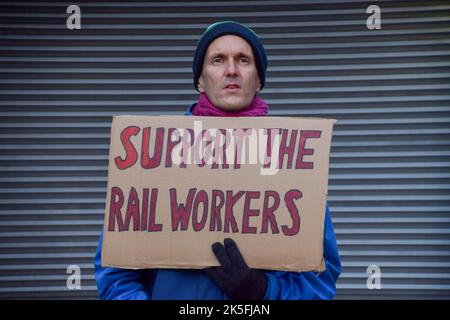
(234, 277)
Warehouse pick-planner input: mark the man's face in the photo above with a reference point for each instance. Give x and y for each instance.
(229, 76)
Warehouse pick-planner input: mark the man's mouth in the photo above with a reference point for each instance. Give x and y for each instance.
(232, 86)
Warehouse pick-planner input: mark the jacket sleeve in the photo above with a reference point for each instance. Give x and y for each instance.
(120, 284)
(309, 285)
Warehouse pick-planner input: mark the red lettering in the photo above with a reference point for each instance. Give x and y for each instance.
(268, 215)
(114, 209)
(240, 134)
(229, 217)
(132, 211)
(130, 151)
(171, 143)
(145, 219)
(289, 198)
(215, 210)
(220, 149)
(287, 148)
(144, 210)
(249, 195)
(153, 226)
(180, 213)
(155, 161)
(303, 151)
(202, 197)
(202, 153)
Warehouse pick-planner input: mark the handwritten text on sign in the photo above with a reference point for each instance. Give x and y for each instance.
(178, 184)
(224, 147)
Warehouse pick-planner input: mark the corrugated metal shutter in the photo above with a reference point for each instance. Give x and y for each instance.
(389, 88)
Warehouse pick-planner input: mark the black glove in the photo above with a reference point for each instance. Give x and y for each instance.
(234, 277)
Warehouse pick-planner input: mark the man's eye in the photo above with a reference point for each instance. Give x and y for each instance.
(217, 60)
(243, 59)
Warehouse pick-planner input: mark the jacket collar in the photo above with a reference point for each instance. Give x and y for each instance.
(189, 110)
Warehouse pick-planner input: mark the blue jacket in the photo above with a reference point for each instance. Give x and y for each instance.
(172, 284)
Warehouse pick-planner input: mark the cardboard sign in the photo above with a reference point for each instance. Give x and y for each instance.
(178, 184)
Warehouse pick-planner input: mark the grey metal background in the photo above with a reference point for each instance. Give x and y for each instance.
(389, 89)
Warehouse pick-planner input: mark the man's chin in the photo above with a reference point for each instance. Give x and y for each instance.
(233, 106)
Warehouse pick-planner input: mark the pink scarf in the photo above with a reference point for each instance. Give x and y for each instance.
(204, 107)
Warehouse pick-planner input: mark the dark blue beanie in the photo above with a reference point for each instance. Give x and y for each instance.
(229, 27)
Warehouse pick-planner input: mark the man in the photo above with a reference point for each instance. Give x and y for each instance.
(229, 70)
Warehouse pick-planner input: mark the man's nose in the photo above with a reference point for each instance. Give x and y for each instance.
(231, 69)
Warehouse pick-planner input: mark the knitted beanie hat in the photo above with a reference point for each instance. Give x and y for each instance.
(218, 29)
